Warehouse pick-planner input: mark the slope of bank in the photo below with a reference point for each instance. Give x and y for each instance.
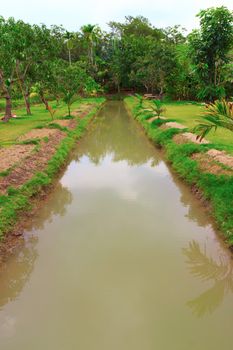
(196, 163)
(31, 164)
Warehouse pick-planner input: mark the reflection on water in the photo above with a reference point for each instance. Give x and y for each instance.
(218, 270)
(58, 206)
(13, 280)
(104, 264)
(15, 272)
(118, 137)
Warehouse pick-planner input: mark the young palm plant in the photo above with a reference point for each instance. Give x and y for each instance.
(157, 108)
(140, 104)
(218, 114)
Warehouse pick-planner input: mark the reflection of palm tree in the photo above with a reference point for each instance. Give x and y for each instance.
(207, 269)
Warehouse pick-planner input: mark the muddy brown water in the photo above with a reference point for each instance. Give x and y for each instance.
(121, 256)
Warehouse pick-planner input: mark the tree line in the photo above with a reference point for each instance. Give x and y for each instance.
(130, 56)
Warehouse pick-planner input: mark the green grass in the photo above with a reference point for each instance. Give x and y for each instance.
(189, 114)
(217, 189)
(10, 131)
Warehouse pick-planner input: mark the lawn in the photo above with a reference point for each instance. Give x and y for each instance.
(10, 131)
(189, 114)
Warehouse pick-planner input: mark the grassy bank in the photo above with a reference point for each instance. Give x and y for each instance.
(189, 114)
(217, 189)
(18, 199)
(9, 132)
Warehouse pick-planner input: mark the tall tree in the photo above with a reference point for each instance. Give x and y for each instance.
(209, 49)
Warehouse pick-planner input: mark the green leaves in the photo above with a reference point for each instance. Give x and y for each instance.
(158, 107)
(218, 114)
(209, 50)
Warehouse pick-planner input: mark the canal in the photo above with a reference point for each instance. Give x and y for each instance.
(121, 256)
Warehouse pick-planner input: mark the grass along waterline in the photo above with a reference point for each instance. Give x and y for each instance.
(217, 189)
(17, 200)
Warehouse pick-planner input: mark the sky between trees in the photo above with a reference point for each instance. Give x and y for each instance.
(75, 13)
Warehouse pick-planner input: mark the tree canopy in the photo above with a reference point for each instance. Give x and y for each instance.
(132, 55)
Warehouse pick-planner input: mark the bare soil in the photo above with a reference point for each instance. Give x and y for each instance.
(175, 125)
(14, 154)
(35, 162)
(37, 134)
(208, 164)
(150, 120)
(67, 123)
(188, 137)
(221, 157)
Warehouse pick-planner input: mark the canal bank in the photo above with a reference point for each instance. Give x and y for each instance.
(210, 181)
(28, 180)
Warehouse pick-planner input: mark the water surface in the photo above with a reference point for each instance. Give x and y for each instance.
(120, 257)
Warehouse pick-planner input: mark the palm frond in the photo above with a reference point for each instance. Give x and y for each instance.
(203, 266)
(218, 114)
(203, 129)
(157, 107)
(208, 301)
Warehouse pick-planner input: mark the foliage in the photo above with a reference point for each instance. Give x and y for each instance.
(71, 82)
(132, 56)
(209, 49)
(157, 107)
(218, 114)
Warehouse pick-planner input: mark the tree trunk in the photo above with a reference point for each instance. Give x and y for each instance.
(8, 108)
(57, 100)
(215, 74)
(24, 91)
(27, 103)
(68, 109)
(43, 99)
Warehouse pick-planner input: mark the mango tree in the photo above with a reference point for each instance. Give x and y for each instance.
(71, 81)
(7, 63)
(209, 48)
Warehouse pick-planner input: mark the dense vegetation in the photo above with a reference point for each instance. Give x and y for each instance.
(52, 63)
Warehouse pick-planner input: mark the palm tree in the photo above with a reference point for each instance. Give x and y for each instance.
(140, 100)
(89, 33)
(218, 114)
(157, 107)
(69, 39)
